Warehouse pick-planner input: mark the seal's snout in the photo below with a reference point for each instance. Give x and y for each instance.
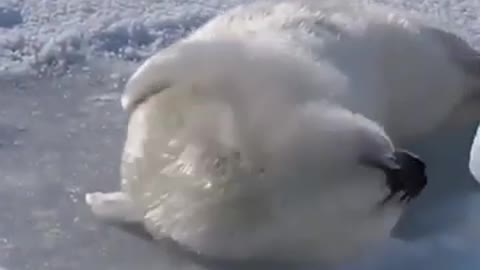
(409, 179)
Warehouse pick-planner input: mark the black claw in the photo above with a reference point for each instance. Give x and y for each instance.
(410, 179)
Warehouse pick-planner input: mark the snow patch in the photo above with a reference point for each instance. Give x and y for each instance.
(51, 36)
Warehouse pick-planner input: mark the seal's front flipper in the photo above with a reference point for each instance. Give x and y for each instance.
(119, 211)
(114, 207)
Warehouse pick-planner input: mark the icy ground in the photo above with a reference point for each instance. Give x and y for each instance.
(62, 67)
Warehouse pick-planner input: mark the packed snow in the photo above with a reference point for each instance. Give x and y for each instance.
(63, 65)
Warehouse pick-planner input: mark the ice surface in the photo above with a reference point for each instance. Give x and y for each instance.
(9, 17)
(62, 67)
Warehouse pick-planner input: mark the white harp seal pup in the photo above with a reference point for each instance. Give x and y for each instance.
(409, 72)
(234, 160)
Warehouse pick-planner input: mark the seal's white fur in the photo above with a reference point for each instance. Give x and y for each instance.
(237, 163)
(239, 140)
(233, 175)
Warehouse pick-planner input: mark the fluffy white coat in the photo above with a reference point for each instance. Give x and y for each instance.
(236, 83)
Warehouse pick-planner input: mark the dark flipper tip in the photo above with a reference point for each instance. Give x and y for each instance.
(410, 179)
